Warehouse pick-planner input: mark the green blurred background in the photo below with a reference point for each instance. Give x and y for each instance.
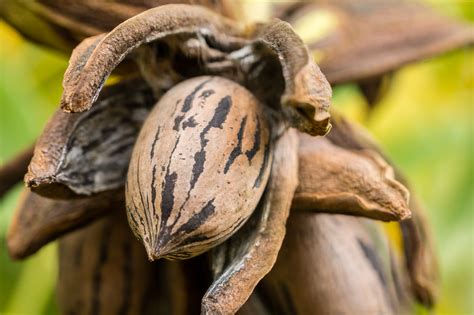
(425, 124)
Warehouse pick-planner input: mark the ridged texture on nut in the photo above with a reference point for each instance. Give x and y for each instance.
(199, 167)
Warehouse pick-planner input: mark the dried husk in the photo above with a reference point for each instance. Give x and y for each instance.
(199, 167)
(103, 269)
(307, 93)
(38, 220)
(241, 262)
(85, 77)
(417, 236)
(356, 182)
(355, 40)
(334, 264)
(270, 60)
(62, 24)
(88, 153)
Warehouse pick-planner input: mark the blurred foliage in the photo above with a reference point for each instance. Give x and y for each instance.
(424, 123)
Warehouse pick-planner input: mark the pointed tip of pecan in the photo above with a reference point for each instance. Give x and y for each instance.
(151, 253)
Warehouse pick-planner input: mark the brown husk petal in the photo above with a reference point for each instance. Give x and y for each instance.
(373, 37)
(82, 85)
(356, 182)
(38, 220)
(241, 262)
(418, 240)
(88, 153)
(269, 59)
(335, 264)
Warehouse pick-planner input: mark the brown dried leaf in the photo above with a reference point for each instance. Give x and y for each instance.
(103, 269)
(418, 240)
(199, 167)
(62, 24)
(371, 37)
(241, 262)
(38, 220)
(332, 264)
(87, 153)
(357, 182)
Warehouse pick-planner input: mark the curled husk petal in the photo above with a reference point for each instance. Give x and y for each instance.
(175, 42)
(82, 86)
(88, 153)
(241, 262)
(357, 182)
(335, 264)
(199, 167)
(307, 93)
(38, 220)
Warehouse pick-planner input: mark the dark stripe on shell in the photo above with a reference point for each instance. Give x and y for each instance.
(187, 104)
(237, 150)
(198, 218)
(157, 136)
(256, 142)
(218, 119)
(266, 157)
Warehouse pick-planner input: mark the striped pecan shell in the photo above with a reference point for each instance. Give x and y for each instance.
(199, 167)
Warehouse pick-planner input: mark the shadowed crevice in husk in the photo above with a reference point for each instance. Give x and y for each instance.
(88, 153)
